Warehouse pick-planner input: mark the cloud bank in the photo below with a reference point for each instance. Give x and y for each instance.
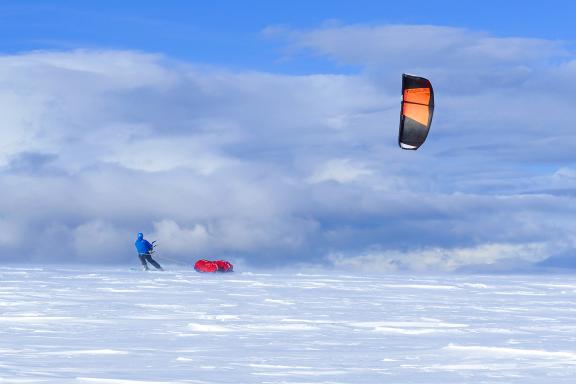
(277, 170)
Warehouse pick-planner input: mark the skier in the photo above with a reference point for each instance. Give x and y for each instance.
(145, 249)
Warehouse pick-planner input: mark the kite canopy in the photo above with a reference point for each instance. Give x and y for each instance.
(416, 111)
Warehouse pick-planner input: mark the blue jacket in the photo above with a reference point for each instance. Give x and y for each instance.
(142, 245)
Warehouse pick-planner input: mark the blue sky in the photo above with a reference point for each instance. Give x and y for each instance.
(229, 33)
(267, 134)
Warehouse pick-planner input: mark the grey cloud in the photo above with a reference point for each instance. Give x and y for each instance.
(31, 162)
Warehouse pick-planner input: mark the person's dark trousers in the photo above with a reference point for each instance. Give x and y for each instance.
(148, 258)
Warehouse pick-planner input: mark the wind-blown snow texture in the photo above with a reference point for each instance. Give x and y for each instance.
(117, 326)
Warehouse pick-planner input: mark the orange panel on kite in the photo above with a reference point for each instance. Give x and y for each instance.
(417, 95)
(417, 112)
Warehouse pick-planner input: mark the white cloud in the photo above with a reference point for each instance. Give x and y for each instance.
(339, 170)
(418, 46)
(164, 154)
(176, 239)
(10, 233)
(230, 235)
(442, 259)
(277, 168)
(98, 242)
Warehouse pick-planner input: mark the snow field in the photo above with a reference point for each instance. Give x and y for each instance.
(73, 325)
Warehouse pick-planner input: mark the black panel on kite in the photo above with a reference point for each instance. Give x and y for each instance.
(415, 112)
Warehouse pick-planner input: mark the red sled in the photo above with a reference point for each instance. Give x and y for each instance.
(208, 266)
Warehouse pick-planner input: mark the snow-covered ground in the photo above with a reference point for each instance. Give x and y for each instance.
(66, 325)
